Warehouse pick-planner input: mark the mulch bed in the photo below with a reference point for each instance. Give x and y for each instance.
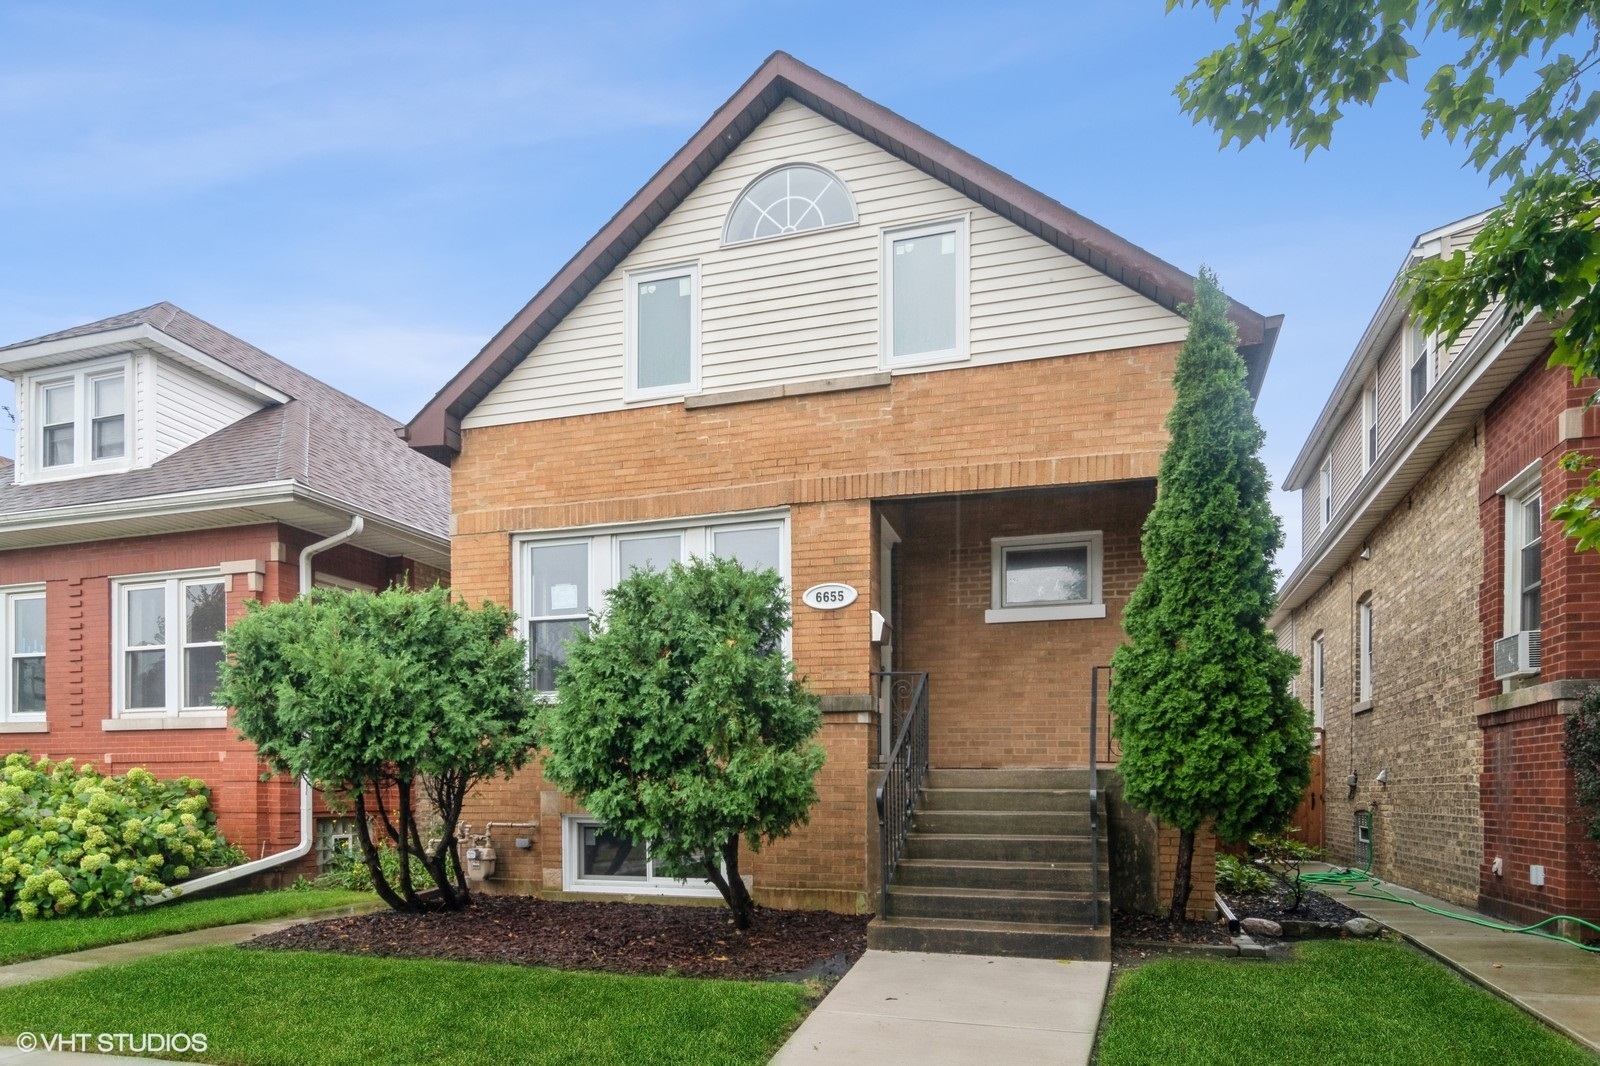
(1314, 907)
(631, 938)
(1151, 929)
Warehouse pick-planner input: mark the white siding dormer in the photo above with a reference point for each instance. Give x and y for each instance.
(111, 414)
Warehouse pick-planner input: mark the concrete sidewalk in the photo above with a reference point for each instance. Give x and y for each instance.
(1557, 983)
(910, 1006)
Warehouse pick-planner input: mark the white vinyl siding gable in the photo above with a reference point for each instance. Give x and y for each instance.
(807, 306)
(189, 407)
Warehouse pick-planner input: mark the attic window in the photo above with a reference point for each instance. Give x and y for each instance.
(791, 199)
(82, 419)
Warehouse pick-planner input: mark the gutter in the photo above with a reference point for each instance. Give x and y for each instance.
(307, 836)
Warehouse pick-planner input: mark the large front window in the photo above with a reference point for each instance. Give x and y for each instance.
(170, 636)
(22, 650)
(564, 578)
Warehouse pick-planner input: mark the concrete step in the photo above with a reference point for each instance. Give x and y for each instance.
(992, 905)
(1015, 939)
(1002, 799)
(994, 874)
(1070, 778)
(1003, 823)
(1046, 847)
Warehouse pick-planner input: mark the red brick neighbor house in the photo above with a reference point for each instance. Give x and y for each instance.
(167, 472)
(824, 340)
(1445, 626)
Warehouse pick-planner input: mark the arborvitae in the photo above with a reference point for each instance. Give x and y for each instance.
(1209, 731)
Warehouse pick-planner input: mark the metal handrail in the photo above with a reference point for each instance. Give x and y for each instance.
(904, 771)
(1094, 794)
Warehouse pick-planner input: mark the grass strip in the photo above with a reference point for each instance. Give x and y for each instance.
(38, 939)
(1353, 1003)
(271, 1008)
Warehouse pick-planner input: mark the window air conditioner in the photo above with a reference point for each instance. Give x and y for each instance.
(1516, 655)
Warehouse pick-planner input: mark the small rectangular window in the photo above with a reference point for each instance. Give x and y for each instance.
(22, 646)
(1317, 667)
(108, 419)
(595, 860)
(1046, 578)
(1369, 418)
(663, 311)
(1525, 561)
(1364, 651)
(1326, 491)
(1419, 360)
(925, 294)
(60, 424)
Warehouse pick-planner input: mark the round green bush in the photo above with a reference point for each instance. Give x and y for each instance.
(73, 841)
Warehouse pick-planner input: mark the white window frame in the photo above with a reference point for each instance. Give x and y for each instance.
(632, 280)
(1319, 666)
(1364, 649)
(1519, 493)
(173, 584)
(1325, 493)
(744, 194)
(81, 378)
(999, 611)
(1416, 344)
(1369, 426)
(698, 536)
(960, 226)
(572, 880)
(9, 597)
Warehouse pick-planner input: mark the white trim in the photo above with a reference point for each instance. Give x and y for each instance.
(1093, 607)
(1412, 339)
(1521, 494)
(9, 597)
(572, 880)
(142, 335)
(1325, 495)
(31, 420)
(1369, 427)
(631, 282)
(1319, 679)
(960, 227)
(175, 643)
(1364, 649)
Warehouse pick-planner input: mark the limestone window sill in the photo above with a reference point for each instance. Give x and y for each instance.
(24, 727)
(1363, 707)
(179, 721)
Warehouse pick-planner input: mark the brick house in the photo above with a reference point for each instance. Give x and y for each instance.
(1428, 579)
(825, 340)
(167, 472)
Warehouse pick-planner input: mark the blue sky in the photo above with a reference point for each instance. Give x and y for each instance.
(370, 191)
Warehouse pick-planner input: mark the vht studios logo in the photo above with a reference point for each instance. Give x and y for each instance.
(131, 1043)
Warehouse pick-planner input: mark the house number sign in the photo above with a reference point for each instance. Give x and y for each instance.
(829, 596)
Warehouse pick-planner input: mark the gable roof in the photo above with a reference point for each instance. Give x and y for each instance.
(436, 429)
(321, 439)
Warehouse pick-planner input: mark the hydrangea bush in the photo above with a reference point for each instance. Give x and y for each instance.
(74, 842)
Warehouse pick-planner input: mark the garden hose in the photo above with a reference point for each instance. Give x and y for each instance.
(1354, 880)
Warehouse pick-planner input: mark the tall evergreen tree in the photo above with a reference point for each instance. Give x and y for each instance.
(1209, 731)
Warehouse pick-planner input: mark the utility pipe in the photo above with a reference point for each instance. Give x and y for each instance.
(307, 834)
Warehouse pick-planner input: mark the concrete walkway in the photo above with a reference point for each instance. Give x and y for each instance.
(1557, 983)
(910, 1006)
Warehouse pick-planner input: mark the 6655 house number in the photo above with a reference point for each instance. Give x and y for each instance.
(829, 596)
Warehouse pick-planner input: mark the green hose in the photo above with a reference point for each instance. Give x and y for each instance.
(1354, 880)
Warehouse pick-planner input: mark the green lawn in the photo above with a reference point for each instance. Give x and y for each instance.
(312, 1009)
(37, 939)
(1347, 1002)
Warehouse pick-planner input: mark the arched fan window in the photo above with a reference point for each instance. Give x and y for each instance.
(791, 199)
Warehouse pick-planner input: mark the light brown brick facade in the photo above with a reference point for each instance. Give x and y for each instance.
(1422, 581)
(951, 459)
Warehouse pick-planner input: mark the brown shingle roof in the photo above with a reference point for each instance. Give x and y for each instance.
(436, 429)
(322, 438)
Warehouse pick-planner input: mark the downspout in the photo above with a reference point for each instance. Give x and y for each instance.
(302, 849)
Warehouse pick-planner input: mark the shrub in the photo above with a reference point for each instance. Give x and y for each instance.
(75, 842)
(1241, 878)
(1280, 857)
(1582, 750)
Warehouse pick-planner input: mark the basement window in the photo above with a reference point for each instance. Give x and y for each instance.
(1046, 578)
(594, 860)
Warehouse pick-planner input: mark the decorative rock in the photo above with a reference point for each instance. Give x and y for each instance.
(1261, 927)
(1362, 927)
